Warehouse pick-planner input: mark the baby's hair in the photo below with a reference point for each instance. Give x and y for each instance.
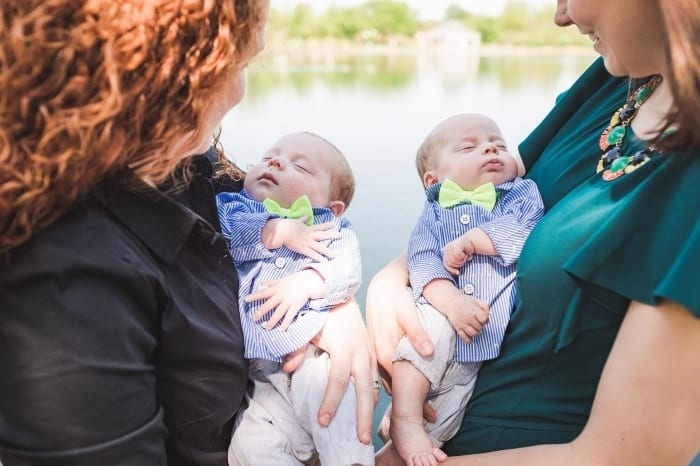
(425, 157)
(342, 179)
(427, 152)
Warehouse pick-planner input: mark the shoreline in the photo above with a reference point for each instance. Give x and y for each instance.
(343, 48)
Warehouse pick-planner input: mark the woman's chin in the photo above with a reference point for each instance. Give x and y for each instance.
(614, 68)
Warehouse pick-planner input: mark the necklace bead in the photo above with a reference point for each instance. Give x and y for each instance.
(616, 135)
(613, 163)
(619, 164)
(611, 155)
(628, 112)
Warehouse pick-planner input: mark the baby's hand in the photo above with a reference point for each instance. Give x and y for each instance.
(286, 296)
(457, 252)
(468, 316)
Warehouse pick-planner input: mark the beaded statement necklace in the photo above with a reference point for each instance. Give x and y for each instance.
(613, 164)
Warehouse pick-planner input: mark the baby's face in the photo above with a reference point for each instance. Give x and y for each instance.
(297, 164)
(471, 151)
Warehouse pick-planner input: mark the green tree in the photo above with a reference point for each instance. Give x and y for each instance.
(516, 16)
(389, 17)
(342, 23)
(490, 28)
(301, 22)
(457, 13)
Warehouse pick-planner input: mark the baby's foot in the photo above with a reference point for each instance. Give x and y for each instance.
(413, 443)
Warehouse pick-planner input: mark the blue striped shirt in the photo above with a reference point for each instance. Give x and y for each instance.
(489, 278)
(242, 220)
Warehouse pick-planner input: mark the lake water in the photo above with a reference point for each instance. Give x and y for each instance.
(377, 109)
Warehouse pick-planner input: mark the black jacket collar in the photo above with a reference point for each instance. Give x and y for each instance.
(163, 224)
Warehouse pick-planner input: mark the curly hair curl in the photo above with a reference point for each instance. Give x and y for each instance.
(93, 87)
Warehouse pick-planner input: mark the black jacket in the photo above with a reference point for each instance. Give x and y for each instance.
(120, 335)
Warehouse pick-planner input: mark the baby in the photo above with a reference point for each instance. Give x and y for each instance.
(461, 257)
(296, 258)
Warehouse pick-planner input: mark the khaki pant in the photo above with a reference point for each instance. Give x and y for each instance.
(280, 425)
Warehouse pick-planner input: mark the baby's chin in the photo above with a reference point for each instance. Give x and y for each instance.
(261, 190)
(258, 191)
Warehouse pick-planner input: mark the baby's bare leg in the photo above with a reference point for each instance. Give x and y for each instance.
(409, 390)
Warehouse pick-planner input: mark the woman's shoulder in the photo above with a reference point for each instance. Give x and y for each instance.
(86, 237)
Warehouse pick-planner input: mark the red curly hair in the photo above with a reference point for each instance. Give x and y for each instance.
(92, 87)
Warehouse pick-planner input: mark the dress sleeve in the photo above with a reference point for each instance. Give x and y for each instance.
(649, 248)
(79, 332)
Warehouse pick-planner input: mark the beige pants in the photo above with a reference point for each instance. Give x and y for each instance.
(280, 425)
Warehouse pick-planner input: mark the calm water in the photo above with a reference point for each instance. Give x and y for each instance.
(377, 110)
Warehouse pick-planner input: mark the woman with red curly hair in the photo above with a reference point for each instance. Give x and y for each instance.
(118, 305)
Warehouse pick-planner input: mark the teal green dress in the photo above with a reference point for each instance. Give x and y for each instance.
(600, 245)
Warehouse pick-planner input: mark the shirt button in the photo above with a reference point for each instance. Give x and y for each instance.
(464, 219)
(469, 288)
(279, 262)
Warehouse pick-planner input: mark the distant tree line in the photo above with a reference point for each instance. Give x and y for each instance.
(381, 20)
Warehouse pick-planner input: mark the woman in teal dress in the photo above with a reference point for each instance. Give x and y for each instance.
(599, 363)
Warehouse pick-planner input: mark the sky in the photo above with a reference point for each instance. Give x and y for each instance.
(426, 9)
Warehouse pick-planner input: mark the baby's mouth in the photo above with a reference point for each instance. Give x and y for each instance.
(268, 177)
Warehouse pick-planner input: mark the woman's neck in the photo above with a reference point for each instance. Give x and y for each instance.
(651, 115)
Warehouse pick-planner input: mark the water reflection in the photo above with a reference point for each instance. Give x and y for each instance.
(371, 72)
(396, 71)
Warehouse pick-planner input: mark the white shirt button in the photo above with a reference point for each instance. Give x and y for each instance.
(469, 288)
(464, 219)
(280, 262)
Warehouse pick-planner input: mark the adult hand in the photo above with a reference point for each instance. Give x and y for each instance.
(391, 314)
(345, 339)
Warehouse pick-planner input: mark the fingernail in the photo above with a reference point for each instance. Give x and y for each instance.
(365, 437)
(324, 419)
(426, 347)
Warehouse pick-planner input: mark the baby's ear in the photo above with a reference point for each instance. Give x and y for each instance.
(429, 179)
(337, 207)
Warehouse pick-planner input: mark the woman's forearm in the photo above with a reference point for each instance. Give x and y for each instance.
(391, 314)
(538, 455)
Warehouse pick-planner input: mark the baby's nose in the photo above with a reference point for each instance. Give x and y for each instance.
(275, 162)
(490, 148)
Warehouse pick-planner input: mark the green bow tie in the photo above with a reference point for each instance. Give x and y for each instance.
(299, 208)
(451, 194)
